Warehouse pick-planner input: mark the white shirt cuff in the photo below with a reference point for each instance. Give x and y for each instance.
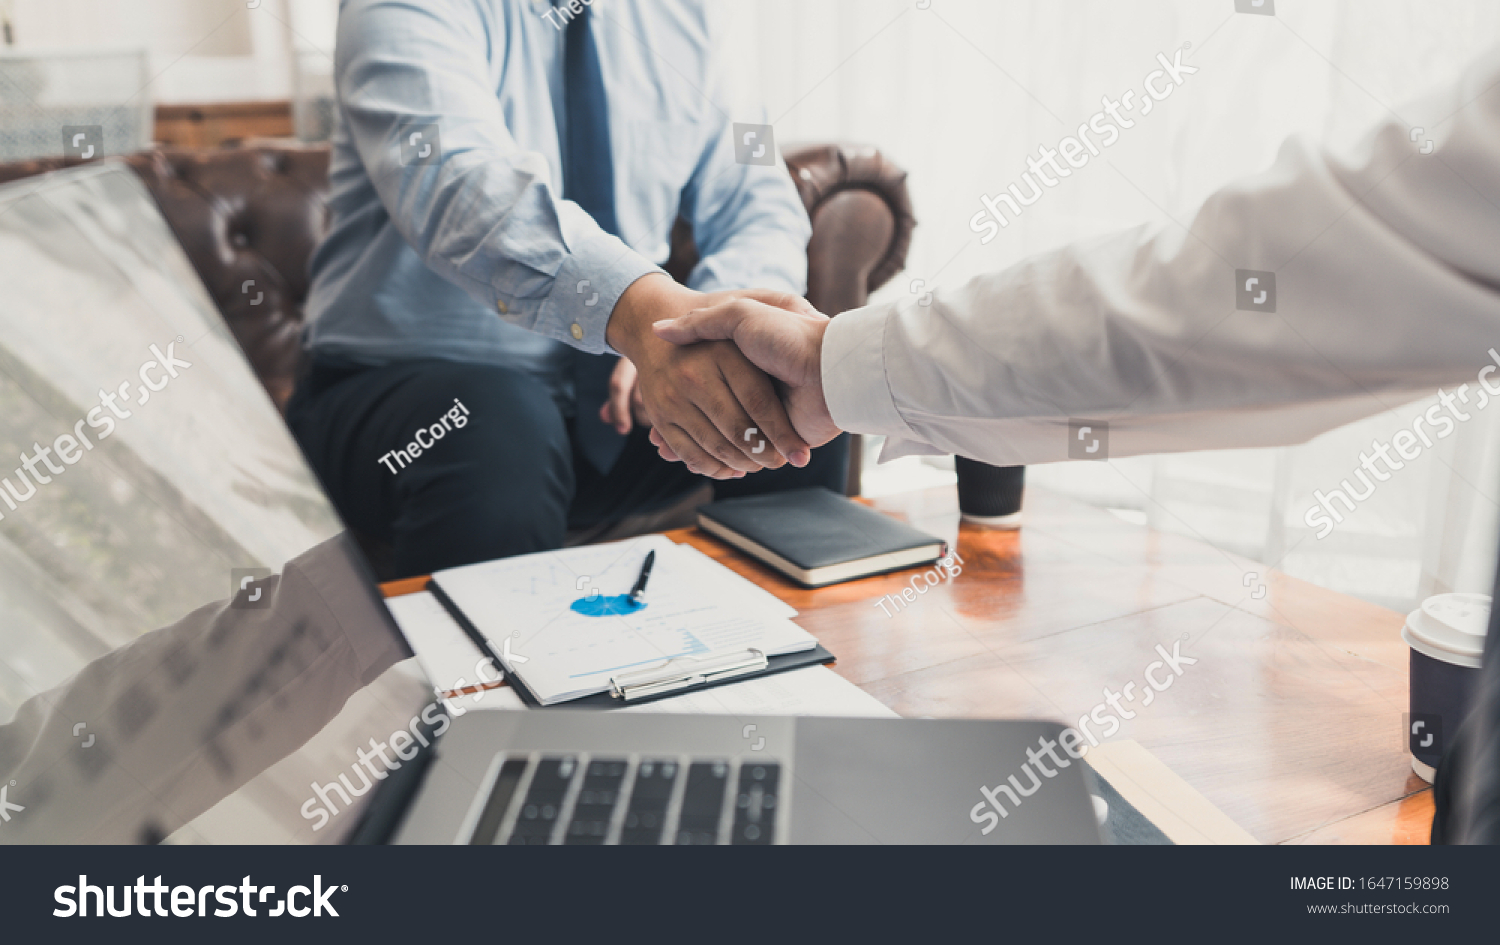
(855, 383)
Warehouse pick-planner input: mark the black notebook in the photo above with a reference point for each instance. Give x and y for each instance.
(816, 537)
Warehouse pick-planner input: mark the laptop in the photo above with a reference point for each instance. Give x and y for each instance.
(139, 644)
(560, 776)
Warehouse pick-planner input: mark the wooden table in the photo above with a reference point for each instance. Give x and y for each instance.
(1290, 721)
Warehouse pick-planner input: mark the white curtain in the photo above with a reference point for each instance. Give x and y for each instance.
(960, 92)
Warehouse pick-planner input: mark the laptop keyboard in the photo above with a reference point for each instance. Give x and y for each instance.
(594, 807)
(647, 813)
(755, 805)
(642, 800)
(702, 803)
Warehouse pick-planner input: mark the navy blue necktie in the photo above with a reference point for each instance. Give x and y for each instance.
(588, 180)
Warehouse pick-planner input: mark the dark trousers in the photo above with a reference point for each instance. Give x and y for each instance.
(501, 476)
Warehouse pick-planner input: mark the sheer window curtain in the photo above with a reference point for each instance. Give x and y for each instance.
(960, 92)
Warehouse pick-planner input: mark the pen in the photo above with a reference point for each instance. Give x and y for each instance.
(639, 591)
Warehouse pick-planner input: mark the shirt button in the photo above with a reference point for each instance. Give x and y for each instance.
(577, 332)
(501, 306)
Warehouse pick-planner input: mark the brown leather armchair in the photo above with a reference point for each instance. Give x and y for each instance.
(253, 213)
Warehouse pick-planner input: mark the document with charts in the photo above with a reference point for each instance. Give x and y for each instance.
(562, 621)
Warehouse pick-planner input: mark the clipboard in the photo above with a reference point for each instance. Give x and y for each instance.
(673, 677)
(606, 700)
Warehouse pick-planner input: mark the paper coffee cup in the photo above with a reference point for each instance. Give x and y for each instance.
(1446, 636)
(989, 496)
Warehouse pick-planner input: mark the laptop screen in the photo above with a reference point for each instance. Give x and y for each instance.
(190, 646)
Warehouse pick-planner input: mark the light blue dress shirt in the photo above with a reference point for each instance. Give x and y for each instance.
(471, 253)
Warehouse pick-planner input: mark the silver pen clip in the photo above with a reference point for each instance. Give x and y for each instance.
(685, 671)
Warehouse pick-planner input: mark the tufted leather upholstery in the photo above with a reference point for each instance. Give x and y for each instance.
(862, 224)
(248, 219)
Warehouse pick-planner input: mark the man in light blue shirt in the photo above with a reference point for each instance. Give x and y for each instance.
(505, 176)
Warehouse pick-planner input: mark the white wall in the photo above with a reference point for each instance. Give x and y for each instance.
(200, 50)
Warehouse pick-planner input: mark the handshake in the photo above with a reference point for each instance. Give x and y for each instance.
(721, 365)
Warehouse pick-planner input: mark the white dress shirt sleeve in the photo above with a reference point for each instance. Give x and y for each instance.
(1386, 264)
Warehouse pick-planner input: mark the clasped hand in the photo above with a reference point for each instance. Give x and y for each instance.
(701, 363)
